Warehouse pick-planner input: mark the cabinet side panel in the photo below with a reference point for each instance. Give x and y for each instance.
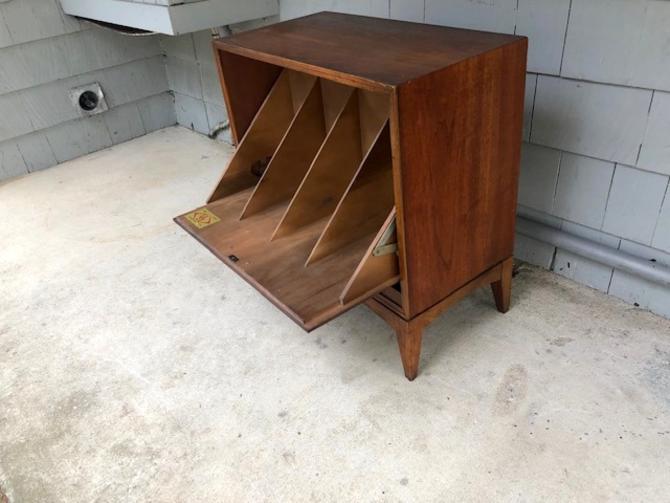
(460, 142)
(245, 82)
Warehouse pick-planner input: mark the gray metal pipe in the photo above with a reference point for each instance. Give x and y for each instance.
(618, 259)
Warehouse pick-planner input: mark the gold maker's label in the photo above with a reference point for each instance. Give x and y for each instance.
(202, 218)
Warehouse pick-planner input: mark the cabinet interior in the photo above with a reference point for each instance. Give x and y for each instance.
(305, 209)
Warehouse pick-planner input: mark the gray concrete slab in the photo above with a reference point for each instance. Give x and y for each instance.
(135, 367)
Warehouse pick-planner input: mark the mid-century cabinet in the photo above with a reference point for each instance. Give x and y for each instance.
(377, 162)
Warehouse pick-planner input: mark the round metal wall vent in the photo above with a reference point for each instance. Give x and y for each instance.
(88, 99)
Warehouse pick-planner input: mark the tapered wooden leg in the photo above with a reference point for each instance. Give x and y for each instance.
(408, 333)
(502, 289)
(409, 341)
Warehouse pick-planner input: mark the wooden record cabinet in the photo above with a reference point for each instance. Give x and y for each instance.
(377, 162)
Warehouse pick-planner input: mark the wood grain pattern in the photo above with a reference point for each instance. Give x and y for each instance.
(366, 52)
(373, 270)
(293, 156)
(264, 133)
(309, 295)
(459, 170)
(365, 204)
(246, 83)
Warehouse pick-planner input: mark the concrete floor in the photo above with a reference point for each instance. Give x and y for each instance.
(135, 367)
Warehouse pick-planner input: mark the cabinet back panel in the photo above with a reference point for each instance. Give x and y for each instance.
(246, 83)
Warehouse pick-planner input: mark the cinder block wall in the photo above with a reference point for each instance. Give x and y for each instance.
(193, 77)
(43, 54)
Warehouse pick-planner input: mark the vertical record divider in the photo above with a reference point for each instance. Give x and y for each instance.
(365, 204)
(348, 143)
(329, 175)
(323, 103)
(379, 267)
(293, 156)
(263, 135)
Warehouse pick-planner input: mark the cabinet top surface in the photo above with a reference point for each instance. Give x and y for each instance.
(383, 51)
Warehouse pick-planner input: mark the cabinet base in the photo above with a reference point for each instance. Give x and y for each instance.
(410, 332)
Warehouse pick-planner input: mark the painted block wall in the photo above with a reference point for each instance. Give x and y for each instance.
(43, 54)
(193, 77)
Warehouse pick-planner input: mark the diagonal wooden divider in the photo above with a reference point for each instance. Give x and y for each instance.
(374, 269)
(264, 133)
(292, 158)
(336, 163)
(365, 204)
(297, 149)
(328, 175)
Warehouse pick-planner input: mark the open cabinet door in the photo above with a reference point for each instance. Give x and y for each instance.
(307, 230)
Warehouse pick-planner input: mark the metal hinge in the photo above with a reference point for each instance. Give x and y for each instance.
(387, 243)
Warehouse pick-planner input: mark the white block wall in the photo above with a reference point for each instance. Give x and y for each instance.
(43, 54)
(193, 77)
(596, 157)
(149, 82)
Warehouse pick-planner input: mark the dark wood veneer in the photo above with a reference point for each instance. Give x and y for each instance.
(388, 154)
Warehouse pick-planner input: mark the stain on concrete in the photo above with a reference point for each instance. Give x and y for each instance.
(561, 341)
(511, 391)
(350, 374)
